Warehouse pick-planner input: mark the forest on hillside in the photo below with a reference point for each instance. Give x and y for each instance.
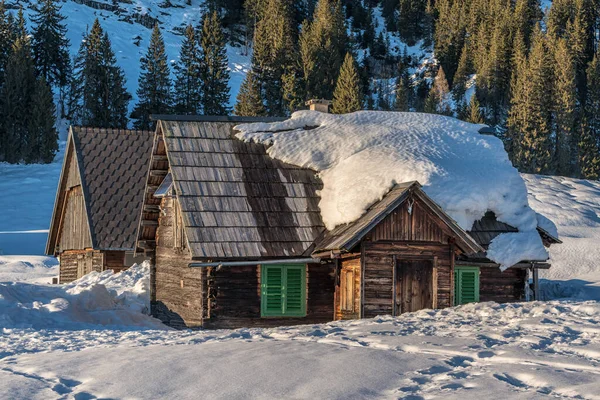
(535, 72)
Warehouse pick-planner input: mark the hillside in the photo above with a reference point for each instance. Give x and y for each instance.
(129, 25)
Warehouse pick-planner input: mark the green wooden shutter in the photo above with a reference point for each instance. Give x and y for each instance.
(271, 290)
(283, 290)
(466, 285)
(295, 291)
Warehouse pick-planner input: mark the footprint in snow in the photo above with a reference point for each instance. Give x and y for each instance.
(460, 361)
(436, 369)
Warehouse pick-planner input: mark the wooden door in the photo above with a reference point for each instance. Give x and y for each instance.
(414, 285)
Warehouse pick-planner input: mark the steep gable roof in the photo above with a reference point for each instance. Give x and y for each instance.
(345, 237)
(236, 201)
(112, 165)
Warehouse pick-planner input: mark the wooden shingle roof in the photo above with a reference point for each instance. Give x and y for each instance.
(113, 164)
(236, 201)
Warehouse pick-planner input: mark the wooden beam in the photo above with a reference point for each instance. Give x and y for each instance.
(146, 222)
(158, 173)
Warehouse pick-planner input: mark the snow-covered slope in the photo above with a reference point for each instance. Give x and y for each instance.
(574, 205)
(361, 155)
(130, 39)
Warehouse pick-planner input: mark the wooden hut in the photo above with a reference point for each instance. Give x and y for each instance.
(237, 240)
(98, 201)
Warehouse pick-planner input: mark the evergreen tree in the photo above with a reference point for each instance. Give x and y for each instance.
(589, 154)
(50, 45)
(6, 40)
(214, 72)
(97, 94)
(188, 88)
(589, 144)
(401, 101)
(564, 109)
(347, 96)
(16, 95)
(41, 124)
(462, 75)
(441, 92)
(412, 20)
(154, 84)
(530, 117)
(249, 101)
(293, 89)
(473, 111)
(526, 15)
(274, 49)
(323, 44)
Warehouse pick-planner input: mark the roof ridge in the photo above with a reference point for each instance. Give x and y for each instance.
(109, 131)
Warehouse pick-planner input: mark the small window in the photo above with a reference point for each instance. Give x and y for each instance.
(466, 285)
(283, 290)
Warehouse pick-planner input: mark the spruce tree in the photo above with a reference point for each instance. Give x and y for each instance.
(154, 84)
(530, 117)
(442, 91)
(249, 100)
(214, 72)
(16, 95)
(462, 75)
(323, 45)
(589, 143)
(188, 88)
(293, 89)
(401, 99)
(6, 40)
(347, 96)
(50, 45)
(97, 91)
(564, 109)
(274, 49)
(41, 124)
(473, 111)
(412, 20)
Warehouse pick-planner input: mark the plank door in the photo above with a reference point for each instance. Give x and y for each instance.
(414, 285)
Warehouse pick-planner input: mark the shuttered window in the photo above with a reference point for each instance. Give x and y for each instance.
(283, 290)
(466, 285)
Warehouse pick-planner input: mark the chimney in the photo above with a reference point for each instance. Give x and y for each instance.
(320, 105)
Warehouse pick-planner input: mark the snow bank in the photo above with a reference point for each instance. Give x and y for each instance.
(360, 156)
(98, 299)
(32, 269)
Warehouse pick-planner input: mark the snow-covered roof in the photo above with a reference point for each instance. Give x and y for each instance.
(361, 156)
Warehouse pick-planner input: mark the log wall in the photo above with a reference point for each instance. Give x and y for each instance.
(378, 279)
(502, 287)
(234, 294)
(176, 289)
(76, 263)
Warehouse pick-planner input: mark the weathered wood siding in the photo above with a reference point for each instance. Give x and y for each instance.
(415, 235)
(76, 263)
(234, 294)
(379, 272)
(176, 289)
(419, 225)
(502, 287)
(75, 231)
(347, 292)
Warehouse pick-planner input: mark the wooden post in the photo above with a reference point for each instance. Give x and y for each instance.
(536, 284)
(394, 279)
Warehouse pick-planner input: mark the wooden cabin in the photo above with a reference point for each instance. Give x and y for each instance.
(237, 240)
(99, 200)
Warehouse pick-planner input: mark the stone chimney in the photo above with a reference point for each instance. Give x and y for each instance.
(320, 105)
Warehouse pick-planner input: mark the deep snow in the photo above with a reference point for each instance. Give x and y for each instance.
(361, 155)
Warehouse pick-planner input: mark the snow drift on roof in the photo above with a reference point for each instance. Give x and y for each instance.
(360, 156)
